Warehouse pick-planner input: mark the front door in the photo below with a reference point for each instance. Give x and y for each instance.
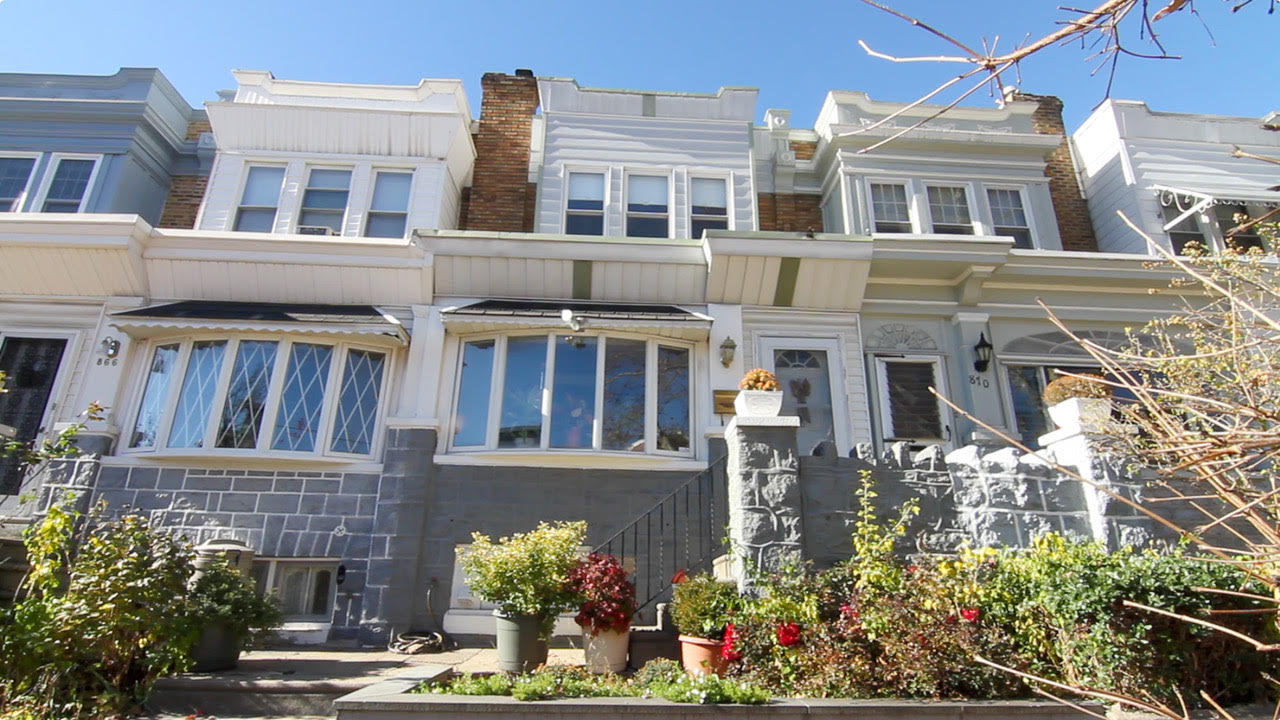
(30, 366)
(807, 370)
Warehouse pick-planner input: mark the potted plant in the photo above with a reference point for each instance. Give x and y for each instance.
(1078, 401)
(230, 614)
(607, 601)
(527, 577)
(702, 610)
(758, 394)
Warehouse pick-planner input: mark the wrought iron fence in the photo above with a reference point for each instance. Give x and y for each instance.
(682, 532)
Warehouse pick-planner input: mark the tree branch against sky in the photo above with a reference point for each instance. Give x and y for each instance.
(1107, 33)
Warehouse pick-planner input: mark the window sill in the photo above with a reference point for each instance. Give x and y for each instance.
(259, 460)
(583, 460)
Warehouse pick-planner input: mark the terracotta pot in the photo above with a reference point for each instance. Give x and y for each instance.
(606, 651)
(701, 656)
(758, 403)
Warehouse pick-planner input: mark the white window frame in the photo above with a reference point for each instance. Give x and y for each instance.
(770, 344)
(627, 174)
(51, 168)
(19, 202)
(498, 376)
(728, 199)
(296, 221)
(605, 207)
(312, 564)
(324, 435)
(974, 215)
(913, 211)
(1026, 209)
(233, 217)
(372, 185)
(884, 412)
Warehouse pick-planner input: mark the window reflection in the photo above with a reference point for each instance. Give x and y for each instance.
(573, 402)
(522, 393)
(673, 398)
(624, 380)
(805, 381)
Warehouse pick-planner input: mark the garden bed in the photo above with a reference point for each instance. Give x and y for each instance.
(394, 699)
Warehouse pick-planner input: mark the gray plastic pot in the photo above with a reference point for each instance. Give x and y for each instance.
(520, 645)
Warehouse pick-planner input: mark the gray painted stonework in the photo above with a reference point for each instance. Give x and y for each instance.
(766, 511)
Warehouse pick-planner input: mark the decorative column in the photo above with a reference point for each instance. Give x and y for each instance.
(765, 511)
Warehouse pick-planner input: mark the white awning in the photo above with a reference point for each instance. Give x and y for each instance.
(366, 321)
(668, 321)
(1224, 195)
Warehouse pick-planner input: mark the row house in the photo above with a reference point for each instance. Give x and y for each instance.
(348, 325)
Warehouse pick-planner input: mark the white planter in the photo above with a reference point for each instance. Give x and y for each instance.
(1081, 413)
(758, 403)
(606, 651)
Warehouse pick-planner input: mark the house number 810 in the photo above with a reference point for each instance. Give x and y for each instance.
(979, 381)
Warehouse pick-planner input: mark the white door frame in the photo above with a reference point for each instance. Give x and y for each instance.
(769, 344)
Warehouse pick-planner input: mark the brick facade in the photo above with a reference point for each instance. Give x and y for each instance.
(1071, 208)
(183, 202)
(502, 198)
(790, 212)
(195, 127)
(804, 149)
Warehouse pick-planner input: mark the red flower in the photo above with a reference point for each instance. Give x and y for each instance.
(679, 577)
(971, 614)
(727, 650)
(788, 633)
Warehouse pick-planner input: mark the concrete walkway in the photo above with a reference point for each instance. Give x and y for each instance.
(295, 682)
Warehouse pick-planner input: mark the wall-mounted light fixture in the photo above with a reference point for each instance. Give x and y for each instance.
(727, 350)
(110, 347)
(573, 320)
(982, 353)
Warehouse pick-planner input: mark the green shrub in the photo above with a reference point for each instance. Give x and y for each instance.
(224, 594)
(701, 606)
(527, 573)
(97, 625)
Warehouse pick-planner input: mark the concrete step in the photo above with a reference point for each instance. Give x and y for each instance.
(199, 695)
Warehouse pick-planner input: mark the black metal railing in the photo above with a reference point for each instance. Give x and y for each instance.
(682, 532)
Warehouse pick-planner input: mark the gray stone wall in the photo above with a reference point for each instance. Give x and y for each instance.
(278, 513)
(766, 517)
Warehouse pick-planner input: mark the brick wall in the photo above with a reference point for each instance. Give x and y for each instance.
(804, 149)
(501, 196)
(1071, 209)
(183, 202)
(790, 212)
(195, 127)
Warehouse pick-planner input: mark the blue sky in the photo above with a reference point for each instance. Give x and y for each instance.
(793, 51)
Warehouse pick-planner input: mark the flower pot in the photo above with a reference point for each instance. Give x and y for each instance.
(701, 656)
(606, 651)
(1083, 414)
(217, 649)
(521, 647)
(758, 403)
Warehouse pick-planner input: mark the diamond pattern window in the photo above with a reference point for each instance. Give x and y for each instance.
(253, 393)
(358, 402)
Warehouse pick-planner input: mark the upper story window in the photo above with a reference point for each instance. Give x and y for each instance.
(574, 392)
(710, 207)
(324, 203)
(1230, 216)
(260, 393)
(647, 200)
(1009, 218)
(261, 197)
(584, 214)
(389, 206)
(1208, 227)
(15, 179)
(890, 208)
(68, 185)
(949, 210)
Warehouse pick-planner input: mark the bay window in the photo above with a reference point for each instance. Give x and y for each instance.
(259, 393)
(554, 391)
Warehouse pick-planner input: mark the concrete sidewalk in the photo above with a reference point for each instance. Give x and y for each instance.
(296, 682)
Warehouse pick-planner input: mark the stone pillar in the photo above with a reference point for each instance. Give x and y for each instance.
(765, 507)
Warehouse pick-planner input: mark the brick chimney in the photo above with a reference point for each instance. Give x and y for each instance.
(501, 198)
(1072, 210)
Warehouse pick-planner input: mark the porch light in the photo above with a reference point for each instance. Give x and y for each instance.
(110, 347)
(982, 353)
(727, 350)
